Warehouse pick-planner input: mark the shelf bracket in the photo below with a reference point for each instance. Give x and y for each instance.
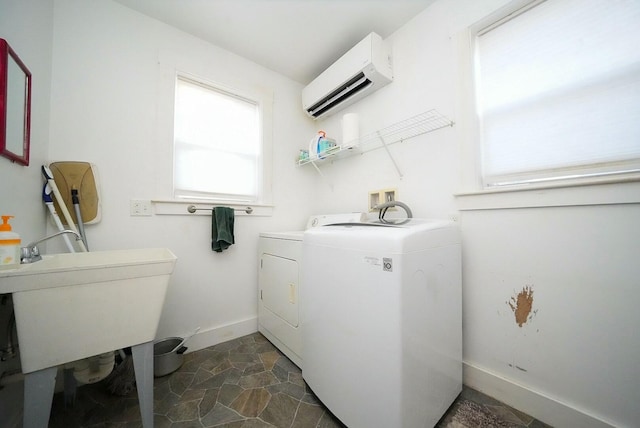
(324, 178)
(393, 160)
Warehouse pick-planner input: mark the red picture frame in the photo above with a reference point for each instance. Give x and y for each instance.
(15, 106)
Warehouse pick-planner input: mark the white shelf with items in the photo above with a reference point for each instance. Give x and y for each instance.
(422, 123)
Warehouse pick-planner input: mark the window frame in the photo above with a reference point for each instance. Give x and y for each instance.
(171, 63)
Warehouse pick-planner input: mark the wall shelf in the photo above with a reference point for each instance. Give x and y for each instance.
(422, 123)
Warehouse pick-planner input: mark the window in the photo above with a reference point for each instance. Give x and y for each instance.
(557, 87)
(218, 150)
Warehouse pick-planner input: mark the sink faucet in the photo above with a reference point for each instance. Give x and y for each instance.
(30, 253)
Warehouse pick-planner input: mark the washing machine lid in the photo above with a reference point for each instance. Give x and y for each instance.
(395, 223)
(414, 235)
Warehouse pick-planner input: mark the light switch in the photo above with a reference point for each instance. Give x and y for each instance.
(140, 207)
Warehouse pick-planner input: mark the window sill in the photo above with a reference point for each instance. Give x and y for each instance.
(606, 192)
(180, 207)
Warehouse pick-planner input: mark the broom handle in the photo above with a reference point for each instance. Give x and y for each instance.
(76, 207)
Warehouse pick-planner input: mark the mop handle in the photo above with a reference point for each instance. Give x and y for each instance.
(65, 212)
(76, 206)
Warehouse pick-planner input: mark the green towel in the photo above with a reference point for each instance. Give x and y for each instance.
(222, 228)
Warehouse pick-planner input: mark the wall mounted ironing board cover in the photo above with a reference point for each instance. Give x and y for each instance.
(83, 177)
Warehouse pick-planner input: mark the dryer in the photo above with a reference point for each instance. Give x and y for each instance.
(280, 259)
(382, 321)
(280, 284)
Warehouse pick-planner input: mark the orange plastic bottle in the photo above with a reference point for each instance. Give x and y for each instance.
(9, 245)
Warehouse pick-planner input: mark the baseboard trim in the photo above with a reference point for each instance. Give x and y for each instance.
(535, 404)
(224, 333)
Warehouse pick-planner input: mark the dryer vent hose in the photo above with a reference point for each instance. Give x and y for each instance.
(384, 207)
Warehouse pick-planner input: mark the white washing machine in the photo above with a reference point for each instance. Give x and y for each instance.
(382, 321)
(279, 284)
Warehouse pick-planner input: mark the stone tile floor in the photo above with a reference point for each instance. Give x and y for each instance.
(247, 383)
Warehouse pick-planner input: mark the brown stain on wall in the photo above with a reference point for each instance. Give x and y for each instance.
(521, 305)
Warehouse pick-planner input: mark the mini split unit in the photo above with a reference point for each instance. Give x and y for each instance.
(362, 70)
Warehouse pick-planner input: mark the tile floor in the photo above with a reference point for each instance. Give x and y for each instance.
(247, 383)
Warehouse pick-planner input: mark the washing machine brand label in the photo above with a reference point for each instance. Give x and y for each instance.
(371, 260)
(385, 262)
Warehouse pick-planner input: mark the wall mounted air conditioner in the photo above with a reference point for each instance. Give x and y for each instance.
(362, 70)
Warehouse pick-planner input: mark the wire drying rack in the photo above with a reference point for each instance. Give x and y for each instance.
(422, 123)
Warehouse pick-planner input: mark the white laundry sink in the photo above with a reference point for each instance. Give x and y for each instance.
(75, 305)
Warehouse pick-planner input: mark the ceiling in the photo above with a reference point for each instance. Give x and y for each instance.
(296, 38)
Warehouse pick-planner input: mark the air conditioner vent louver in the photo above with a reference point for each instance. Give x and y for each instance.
(353, 86)
(362, 70)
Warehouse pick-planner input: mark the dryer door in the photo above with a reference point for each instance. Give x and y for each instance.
(279, 287)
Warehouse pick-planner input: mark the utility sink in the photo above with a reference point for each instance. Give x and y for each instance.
(76, 305)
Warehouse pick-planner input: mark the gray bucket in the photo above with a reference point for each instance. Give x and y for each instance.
(164, 361)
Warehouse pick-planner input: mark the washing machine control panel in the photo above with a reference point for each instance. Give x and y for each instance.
(325, 219)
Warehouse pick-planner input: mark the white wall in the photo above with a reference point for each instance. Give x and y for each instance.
(572, 363)
(105, 107)
(26, 25)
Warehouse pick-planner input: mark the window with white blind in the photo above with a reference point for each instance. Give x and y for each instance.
(217, 143)
(557, 86)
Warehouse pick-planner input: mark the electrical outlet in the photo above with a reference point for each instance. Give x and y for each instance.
(140, 207)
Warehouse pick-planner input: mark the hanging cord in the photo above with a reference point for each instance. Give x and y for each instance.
(382, 213)
(384, 207)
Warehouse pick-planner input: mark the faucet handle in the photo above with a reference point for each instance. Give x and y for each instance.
(29, 254)
(25, 255)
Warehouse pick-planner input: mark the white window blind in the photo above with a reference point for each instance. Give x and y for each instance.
(558, 92)
(217, 144)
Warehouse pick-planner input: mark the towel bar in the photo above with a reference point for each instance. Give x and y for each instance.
(192, 209)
